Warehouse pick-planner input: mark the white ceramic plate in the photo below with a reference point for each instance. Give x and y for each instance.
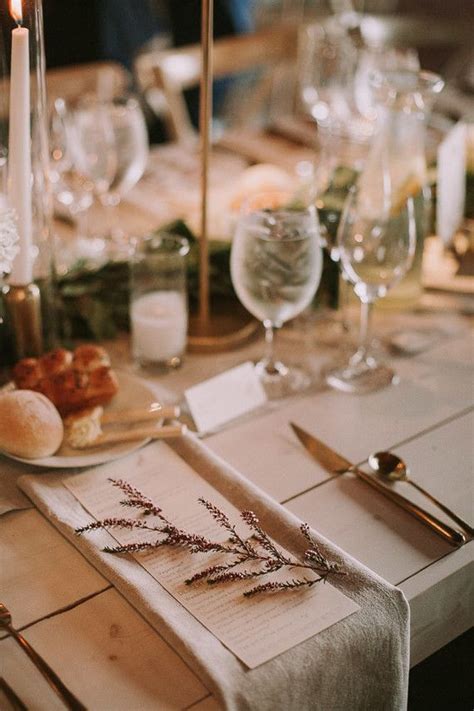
(133, 392)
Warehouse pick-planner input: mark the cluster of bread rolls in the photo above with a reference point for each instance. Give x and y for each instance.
(71, 380)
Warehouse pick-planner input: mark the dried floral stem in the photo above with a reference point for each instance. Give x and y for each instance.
(258, 550)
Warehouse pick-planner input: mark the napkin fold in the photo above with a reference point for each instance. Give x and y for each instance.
(362, 662)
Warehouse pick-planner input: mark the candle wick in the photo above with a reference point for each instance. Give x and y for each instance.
(19, 22)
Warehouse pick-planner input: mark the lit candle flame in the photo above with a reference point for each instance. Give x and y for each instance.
(16, 11)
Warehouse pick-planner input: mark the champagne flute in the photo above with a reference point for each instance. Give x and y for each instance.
(376, 249)
(276, 263)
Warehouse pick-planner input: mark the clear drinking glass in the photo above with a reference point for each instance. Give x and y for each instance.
(72, 191)
(327, 65)
(158, 301)
(376, 249)
(131, 146)
(276, 263)
(94, 149)
(112, 150)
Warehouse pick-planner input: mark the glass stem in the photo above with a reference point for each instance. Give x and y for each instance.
(365, 333)
(270, 328)
(110, 201)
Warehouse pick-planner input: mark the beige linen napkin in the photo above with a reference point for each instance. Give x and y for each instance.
(360, 663)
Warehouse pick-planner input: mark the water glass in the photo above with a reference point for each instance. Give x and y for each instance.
(158, 301)
(276, 263)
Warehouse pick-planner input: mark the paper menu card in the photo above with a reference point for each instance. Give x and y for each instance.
(254, 629)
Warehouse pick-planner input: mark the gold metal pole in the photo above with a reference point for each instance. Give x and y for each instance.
(229, 325)
(205, 127)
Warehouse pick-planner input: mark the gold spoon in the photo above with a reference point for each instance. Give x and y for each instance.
(51, 677)
(391, 467)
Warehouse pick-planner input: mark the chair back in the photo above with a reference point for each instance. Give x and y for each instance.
(170, 72)
(105, 79)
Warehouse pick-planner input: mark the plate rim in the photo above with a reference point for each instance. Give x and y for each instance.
(94, 459)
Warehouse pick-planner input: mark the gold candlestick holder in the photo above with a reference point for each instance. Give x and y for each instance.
(216, 327)
(23, 320)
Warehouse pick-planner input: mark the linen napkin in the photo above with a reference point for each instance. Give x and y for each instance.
(361, 662)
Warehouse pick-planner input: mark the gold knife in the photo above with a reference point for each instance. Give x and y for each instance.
(337, 464)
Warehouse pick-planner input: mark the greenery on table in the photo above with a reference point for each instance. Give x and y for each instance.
(93, 303)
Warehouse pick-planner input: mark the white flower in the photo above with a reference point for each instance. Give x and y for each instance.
(8, 239)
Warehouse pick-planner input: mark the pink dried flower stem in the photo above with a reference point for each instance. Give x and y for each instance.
(258, 549)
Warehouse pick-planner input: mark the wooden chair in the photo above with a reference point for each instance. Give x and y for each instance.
(172, 71)
(106, 79)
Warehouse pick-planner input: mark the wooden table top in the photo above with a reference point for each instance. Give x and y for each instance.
(111, 658)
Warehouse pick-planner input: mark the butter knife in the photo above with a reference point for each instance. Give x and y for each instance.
(337, 464)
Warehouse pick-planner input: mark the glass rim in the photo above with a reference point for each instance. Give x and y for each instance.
(268, 202)
(164, 243)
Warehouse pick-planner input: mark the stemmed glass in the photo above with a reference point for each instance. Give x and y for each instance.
(276, 263)
(131, 147)
(72, 190)
(376, 243)
(112, 149)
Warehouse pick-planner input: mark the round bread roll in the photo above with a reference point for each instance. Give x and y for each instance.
(30, 425)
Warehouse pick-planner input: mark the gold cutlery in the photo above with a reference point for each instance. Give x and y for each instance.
(164, 432)
(389, 466)
(337, 464)
(70, 701)
(141, 414)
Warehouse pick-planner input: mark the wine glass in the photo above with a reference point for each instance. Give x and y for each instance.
(95, 153)
(72, 191)
(327, 64)
(131, 147)
(276, 264)
(376, 244)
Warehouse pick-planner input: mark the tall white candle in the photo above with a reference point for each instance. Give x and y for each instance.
(19, 148)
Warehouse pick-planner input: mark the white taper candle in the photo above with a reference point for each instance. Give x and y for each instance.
(19, 149)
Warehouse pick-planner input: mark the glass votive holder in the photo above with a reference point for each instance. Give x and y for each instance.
(158, 301)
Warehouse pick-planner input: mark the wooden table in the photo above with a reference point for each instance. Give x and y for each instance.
(112, 659)
(108, 654)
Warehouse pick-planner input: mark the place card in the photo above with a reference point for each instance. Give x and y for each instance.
(255, 629)
(451, 182)
(224, 397)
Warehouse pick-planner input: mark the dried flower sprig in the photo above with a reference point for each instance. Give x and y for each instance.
(258, 550)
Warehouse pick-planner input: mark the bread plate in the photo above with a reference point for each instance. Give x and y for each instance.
(133, 392)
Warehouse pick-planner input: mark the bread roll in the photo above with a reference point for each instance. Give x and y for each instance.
(89, 357)
(30, 425)
(55, 362)
(71, 380)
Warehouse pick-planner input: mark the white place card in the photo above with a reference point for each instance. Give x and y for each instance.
(224, 397)
(451, 182)
(255, 629)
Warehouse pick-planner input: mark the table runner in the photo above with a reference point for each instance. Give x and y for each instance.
(361, 662)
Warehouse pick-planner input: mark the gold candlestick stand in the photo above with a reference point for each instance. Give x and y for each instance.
(229, 325)
(23, 320)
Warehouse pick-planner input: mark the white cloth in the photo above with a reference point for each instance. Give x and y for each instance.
(361, 663)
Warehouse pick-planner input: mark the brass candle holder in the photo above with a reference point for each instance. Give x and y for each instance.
(23, 320)
(225, 325)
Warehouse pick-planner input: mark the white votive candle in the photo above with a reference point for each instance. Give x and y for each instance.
(159, 323)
